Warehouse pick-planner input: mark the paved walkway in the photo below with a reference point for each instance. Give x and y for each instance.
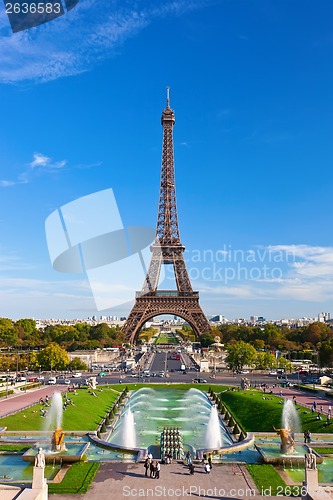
(16, 402)
(121, 481)
(305, 398)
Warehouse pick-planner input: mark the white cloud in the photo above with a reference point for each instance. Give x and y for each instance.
(39, 162)
(7, 183)
(83, 37)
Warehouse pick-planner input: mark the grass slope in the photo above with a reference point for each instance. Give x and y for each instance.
(88, 410)
(85, 415)
(256, 414)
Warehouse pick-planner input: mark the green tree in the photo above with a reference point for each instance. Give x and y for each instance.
(53, 357)
(77, 364)
(240, 354)
(8, 334)
(207, 339)
(264, 360)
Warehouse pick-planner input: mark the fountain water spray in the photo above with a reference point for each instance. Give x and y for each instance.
(213, 437)
(290, 417)
(54, 414)
(129, 435)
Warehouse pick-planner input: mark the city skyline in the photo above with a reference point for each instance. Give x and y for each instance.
(250, 85)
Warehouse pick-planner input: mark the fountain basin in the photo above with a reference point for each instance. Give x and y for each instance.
(14, 470)
(149, 411)
(271, 454)
(73, 453)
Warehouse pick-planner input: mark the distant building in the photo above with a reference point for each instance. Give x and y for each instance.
(323, 317)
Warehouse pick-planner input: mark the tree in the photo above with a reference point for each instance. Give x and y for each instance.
(207, 339)
(264, 360)
(239, 355)
(77, 364)
(53, 357)
(8, 334)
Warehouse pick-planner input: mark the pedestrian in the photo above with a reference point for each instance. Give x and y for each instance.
(152, 469)
(204, 458)
(210, 458)
(308, 436)
(191, 469)
(207, 468)
(146, 466)
(314, 405)
(157, 470)
(188, 458)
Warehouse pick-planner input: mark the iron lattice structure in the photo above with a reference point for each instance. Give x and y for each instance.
(167, 249)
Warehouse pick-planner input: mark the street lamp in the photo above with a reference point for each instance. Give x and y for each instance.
(25, 382)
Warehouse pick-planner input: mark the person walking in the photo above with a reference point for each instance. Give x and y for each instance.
(188, 458)
(207, 468)
(152, 469)
(146, 466)
(157, 470)
(191, 469)
(210, 459)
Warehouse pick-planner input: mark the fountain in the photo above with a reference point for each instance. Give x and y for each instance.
(213, 438)
(149, 410)
(129, 436)
(290, 425)
(58, 451)
(288, 452)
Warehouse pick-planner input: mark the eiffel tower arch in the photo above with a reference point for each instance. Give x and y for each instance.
(167, 249)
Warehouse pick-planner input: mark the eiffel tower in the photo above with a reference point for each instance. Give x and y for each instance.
(166, 249)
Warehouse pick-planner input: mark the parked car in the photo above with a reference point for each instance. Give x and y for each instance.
(52, 381)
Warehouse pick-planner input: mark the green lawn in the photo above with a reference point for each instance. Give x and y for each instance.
(85, 415)
(166, 338)
(267, 480)
(257, 414)
(18, 448)
(88, 411)
(77, 479)
(323, 450)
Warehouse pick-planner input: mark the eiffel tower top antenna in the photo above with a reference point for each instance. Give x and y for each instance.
(168, 97)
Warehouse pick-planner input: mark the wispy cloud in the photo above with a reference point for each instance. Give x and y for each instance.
(75, 42)
(301, 272)
(40, 162)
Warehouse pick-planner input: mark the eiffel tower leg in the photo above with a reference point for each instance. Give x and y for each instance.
(186, 306)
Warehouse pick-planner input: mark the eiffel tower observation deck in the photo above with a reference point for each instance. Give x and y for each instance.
(167, 249)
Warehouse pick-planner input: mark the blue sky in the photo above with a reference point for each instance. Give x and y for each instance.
(251, 86)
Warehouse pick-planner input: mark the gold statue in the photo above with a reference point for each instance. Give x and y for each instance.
(58, 440)
(287, 441)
